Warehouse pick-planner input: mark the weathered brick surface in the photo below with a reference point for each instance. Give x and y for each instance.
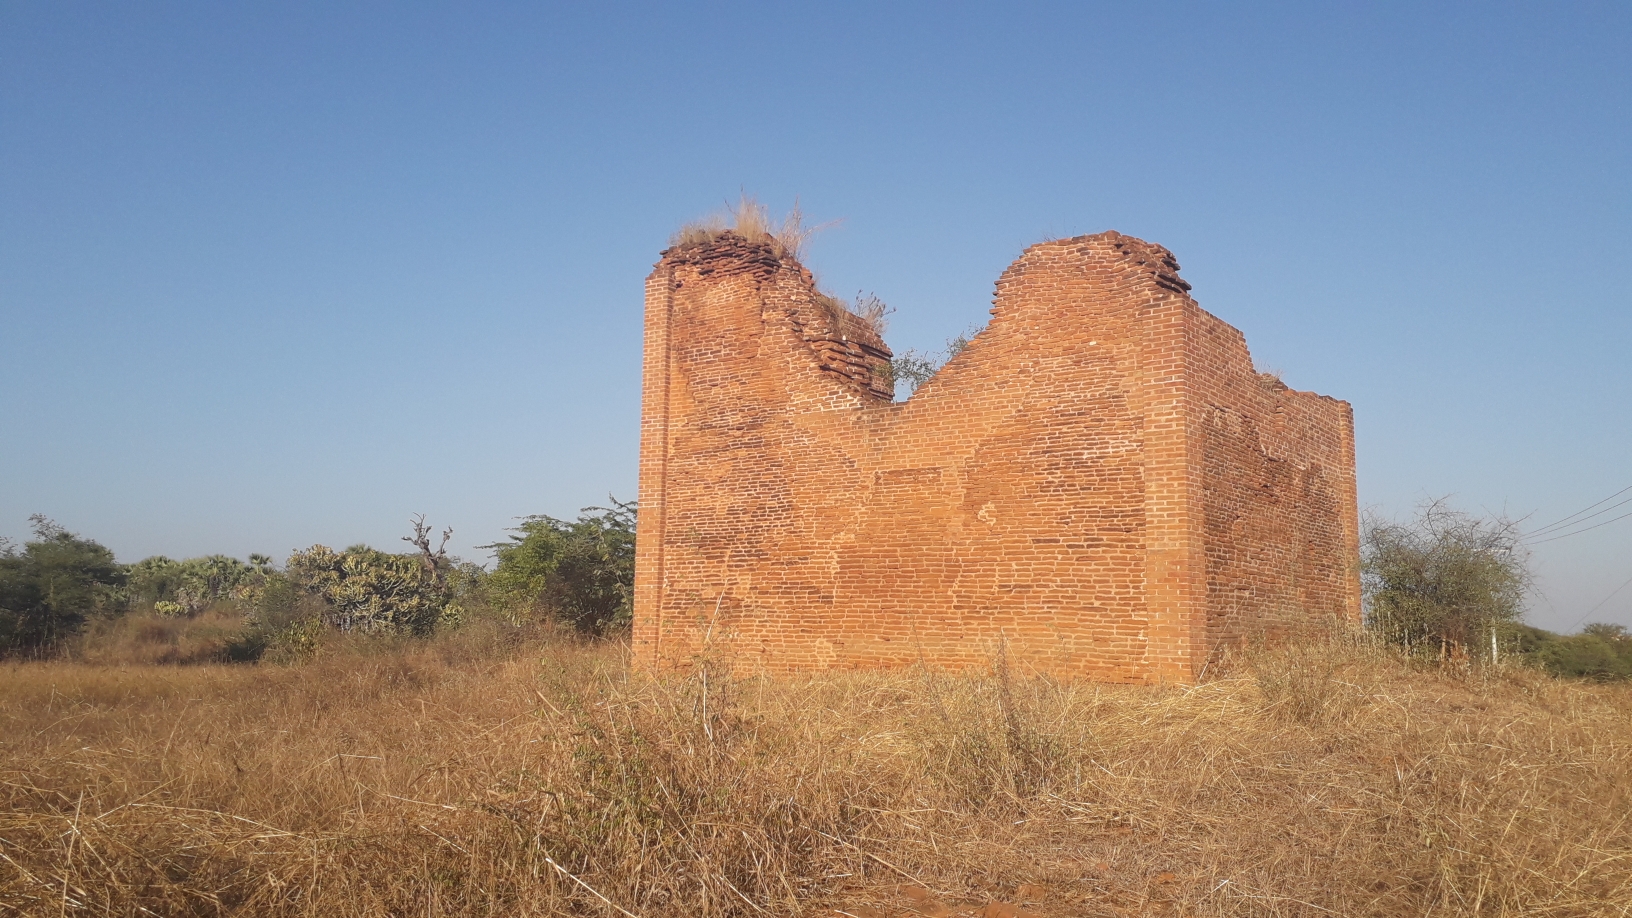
(1100, 480)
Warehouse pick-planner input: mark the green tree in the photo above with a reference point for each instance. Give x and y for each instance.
(914, 368)
(188, 587)
(53, 585)
(1607, 632)
(1601, 652)
(371, 591)
(1439, 583)
(153, 580)
(579, 573)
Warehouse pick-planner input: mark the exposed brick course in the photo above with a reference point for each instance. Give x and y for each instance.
(1100, 480)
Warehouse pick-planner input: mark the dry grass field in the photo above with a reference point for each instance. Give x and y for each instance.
(547, 779)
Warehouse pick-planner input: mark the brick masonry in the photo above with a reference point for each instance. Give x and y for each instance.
(1100, 482)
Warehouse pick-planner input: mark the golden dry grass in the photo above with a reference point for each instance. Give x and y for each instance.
(752, 221)
(149, 638)
(431, 780)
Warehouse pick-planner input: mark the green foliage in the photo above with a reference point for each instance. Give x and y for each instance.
(913, 368)
(1607, 632)
(467, 588)
(50, 588)
(580, 573)
(1600, 652)
(188, 587)
(285, 622)
(1439, 584)
(371, 591)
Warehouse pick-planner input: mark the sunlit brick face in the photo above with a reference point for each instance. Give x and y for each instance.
(1099, 485)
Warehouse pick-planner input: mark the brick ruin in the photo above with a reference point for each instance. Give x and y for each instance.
(1100, 481)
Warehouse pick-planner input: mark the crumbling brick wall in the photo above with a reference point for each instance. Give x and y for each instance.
(1100, 481)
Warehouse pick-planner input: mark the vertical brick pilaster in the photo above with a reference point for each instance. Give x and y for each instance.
(1175, 576)
(651, 530)
(1348, 487)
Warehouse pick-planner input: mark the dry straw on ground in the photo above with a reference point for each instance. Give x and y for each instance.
(435, 781)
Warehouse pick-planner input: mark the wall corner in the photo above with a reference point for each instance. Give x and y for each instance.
(646, 633)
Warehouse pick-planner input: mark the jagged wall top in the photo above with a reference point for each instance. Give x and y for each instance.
(1100, 480)
(845, 344)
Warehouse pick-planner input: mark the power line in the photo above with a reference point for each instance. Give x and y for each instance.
(1601, 603)
(1577, 513)
(1582, 519)
(1585, 509)
(1579, 531)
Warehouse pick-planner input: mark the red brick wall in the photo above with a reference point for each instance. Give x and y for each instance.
(1099, 481)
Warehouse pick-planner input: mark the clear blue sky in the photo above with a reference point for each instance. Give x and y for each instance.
(277, 274)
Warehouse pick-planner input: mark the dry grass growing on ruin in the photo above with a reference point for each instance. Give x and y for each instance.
(752, 221)
(434, 780)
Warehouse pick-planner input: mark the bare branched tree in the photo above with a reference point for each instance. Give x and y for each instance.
(1443, 580)
(421, 539)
